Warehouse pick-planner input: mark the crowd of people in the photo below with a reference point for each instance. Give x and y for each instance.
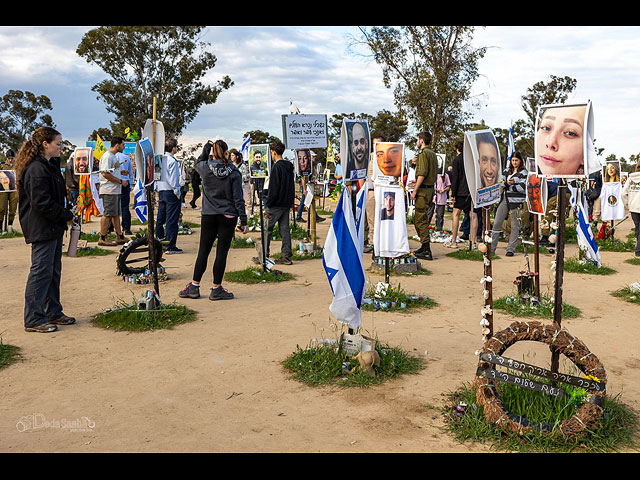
(46, 203)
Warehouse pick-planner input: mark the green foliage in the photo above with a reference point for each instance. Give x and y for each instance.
(256, 275)
(513, 305)
(323, 365)
(20, 114)
(633, 261)
(466, 254)
(8, 354)
(14, 234)
(573, 265)
(627, 295)
(396, 296)
(92, 252)
(127, 318)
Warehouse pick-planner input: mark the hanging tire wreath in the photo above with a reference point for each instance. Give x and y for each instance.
(137, 251)
(488, 396)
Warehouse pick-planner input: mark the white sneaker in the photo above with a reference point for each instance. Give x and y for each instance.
(10, 229)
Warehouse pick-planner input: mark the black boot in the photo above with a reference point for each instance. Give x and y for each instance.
(425, 254)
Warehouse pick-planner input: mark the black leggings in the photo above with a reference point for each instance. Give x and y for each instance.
(212, 227)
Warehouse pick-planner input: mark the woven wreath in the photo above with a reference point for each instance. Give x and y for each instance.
(487, 396)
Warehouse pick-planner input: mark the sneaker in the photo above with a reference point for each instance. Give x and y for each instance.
(173, 250)
(301, 220)
(320, 219)
(220, 293)
(121, 240)
(104, 242)
(63, 320)
(425, 254)
(509, 254)
(464, 237)
(284, 261)
(190, 291)
(10, 229)
(42, 328)
(128, 232)
(368, 249)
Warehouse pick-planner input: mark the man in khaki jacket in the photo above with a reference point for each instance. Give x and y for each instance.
(426, 175)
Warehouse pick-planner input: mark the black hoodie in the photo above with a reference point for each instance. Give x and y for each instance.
(281, 193)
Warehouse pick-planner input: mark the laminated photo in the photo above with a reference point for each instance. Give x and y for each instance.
(564, 141)
(7, 181)
(611, 172)
(259, 161)
(355, 148)
(145, 161)
(303, 163)
(388, 166)
(482, 166)
(82, 161)
(536, 195)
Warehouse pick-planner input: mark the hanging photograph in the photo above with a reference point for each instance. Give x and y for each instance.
(611, 172)
(564, 140)
(303, 163)
(82, 161)
(355, 148)
(536, 195)
(144, 161)
(390, 237)
(441, 162)
(7, 181)
(388, 162)
(259, 161)
(482, 167)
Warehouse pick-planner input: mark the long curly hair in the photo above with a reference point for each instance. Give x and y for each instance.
(32, 148)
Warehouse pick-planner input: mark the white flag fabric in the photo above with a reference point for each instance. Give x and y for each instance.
(342, 258)
(140, 200)
(586, 240)
(390, 237)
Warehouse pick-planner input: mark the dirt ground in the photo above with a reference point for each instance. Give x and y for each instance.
(217, 384)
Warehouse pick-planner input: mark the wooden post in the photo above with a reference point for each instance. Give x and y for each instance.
(557, 297)
(263, 236)
(536, 256)
(488, 270)
(151, 230)
(312, 221)
(387, 269)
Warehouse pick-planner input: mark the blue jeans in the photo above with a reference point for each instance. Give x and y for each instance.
(168, 216)
(125, 198)
(42, 293)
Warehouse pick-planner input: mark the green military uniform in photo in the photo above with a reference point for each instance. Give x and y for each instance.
(8, 201)
(427, 167)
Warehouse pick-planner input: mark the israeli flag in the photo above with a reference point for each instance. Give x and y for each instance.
(511, 148)
(140, 201)
(586, 240)
(244, 149)
(342, 258)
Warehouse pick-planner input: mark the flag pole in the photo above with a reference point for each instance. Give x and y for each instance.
(151, 230)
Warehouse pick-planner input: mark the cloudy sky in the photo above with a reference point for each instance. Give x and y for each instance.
(315, 67)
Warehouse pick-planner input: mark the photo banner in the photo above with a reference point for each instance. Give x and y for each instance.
(388, 166)
(355, 148)
(482, 167)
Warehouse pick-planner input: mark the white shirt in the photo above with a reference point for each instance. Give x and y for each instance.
(109, 161)
(169, 176)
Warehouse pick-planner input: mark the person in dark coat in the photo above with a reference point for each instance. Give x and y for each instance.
(44, 213)
(280, 199)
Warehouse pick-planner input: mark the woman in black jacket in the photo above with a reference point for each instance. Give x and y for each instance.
(222, 205)
(44, 213)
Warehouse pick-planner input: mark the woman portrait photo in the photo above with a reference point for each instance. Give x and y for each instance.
(7, 181)
(560, 140)
(303, 162)
(389, 159)
(611, 172)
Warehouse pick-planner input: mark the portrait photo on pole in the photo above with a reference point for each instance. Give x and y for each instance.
(564, 141)
(259, 161)
(611, 171)
(390, 237)
(303, 164)
(82, 161)
(482, 166)
(441, 162)
(7, 181)
(536, 194)
(355, 148)
(388, 166)
(144, 161)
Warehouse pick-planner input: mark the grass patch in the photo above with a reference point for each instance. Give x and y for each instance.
(13, 234)
(574, 265)
(616, 245)
(256, 275)
(298, 232)
(191, 224)
(323, 365)
(324, 213)
(95, 236)
(128, 318)
(627, 295)
(296, 255)
(617, 431)
(394, 299)
(8, 354)
(466, 254)
(541, 249)
(92, 252)
(240, 242)
(633, 261)
(513, 305)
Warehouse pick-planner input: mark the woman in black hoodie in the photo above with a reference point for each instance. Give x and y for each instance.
(222, 205)
(44, 212)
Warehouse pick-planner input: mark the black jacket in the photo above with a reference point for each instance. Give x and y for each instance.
(459, 185)
(281, 193)
(42, 201)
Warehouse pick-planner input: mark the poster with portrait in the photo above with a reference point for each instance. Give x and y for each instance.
(82, 161)
(145, 161)
(355, 148)
(388, 165)
(441, 162)
(390, 237)
(611, 172)
(482, 167)
(259, 160)
(157, 167)
(7, 181)
(564, 141)
(303, 163)
(536, 194)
